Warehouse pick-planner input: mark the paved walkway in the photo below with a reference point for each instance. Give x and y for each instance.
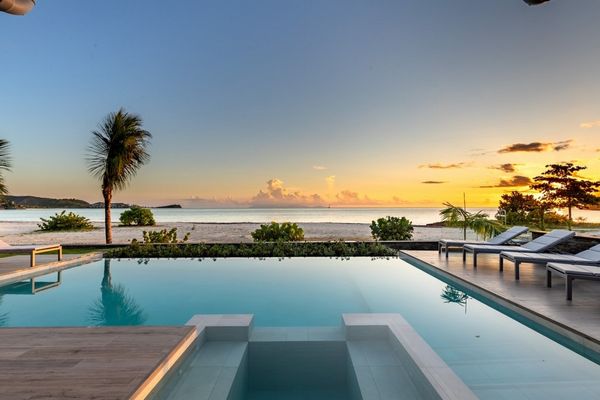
(580, 316)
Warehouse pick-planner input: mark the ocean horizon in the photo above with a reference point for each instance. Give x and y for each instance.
(363, 215)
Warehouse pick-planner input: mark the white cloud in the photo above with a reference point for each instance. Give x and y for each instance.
(319, 167)
(590, 124)
(277, 195)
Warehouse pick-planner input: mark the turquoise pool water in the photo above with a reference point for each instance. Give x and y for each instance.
(495, 355)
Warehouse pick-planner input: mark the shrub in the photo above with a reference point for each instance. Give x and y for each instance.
(65, 222)
(392, 228)
(274, 232)
(260, 249)
(162, 236)
(137, 216)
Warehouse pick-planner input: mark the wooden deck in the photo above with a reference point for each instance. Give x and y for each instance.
(581, 316)
(16, 268)
(82, 363)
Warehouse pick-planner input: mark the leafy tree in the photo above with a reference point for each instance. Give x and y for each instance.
(516, 207)
(116, 152)
(561, 185)
(392, 228)
(5, 165)
(137, 216)
(274, 232)
(479, 222)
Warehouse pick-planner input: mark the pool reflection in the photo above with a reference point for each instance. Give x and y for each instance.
(115, 307)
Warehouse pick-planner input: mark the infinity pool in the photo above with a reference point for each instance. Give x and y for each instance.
(495, 355)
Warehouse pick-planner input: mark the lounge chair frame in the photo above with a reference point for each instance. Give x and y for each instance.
(33, 251)
(502, 238)
(537, 245)
(571, 272)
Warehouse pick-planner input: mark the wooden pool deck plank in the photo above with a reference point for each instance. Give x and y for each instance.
(581, 315)
(82, 363)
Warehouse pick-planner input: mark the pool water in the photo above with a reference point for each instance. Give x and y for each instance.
(495, 355)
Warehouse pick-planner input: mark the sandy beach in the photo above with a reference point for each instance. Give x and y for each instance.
(26, 232)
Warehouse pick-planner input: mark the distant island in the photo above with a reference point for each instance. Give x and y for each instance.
(19, 202)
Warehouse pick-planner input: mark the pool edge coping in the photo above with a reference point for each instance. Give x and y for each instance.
(590, 343)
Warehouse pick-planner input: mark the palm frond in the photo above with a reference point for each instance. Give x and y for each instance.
(5, 164)
(118, 149)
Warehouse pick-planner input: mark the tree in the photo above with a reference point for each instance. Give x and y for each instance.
(116, 152)
(561, 185)
(478, 222)
(516, 207)
(5, 165)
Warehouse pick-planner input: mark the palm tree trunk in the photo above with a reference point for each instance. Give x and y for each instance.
(106, 278)
(107, 193)
(570, 215)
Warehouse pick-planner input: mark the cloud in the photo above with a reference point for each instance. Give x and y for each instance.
(515, 181)
(508, 167)
(319, 167)
(277, 195)
(536, 147)
(444, 166)
(351, 198)
(590, 124)
(433, 182)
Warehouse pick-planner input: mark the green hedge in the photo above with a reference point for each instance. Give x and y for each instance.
(260, 250)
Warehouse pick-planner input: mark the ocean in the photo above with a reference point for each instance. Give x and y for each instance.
(419, 216)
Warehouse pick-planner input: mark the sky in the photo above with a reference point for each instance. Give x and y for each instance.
(304, 103)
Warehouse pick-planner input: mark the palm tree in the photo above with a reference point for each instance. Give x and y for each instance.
(478, 222)
(116, 152)
(5, 164)
(115, 307)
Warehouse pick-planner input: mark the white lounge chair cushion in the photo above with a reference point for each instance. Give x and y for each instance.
(490, 248)
(508, 235)
(549, 240)
(575, 269)
(451, 242)
(542, 257)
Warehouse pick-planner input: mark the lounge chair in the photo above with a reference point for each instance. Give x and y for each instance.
(590, 256)
(571, 272)
(32, 250)
(542, 243)
(504, 237)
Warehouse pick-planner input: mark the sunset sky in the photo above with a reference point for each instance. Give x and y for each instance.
(312, 102)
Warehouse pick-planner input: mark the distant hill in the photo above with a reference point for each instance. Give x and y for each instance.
(46, 202)
(43, 202)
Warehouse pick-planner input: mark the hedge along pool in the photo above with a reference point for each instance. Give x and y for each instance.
(494, 354)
